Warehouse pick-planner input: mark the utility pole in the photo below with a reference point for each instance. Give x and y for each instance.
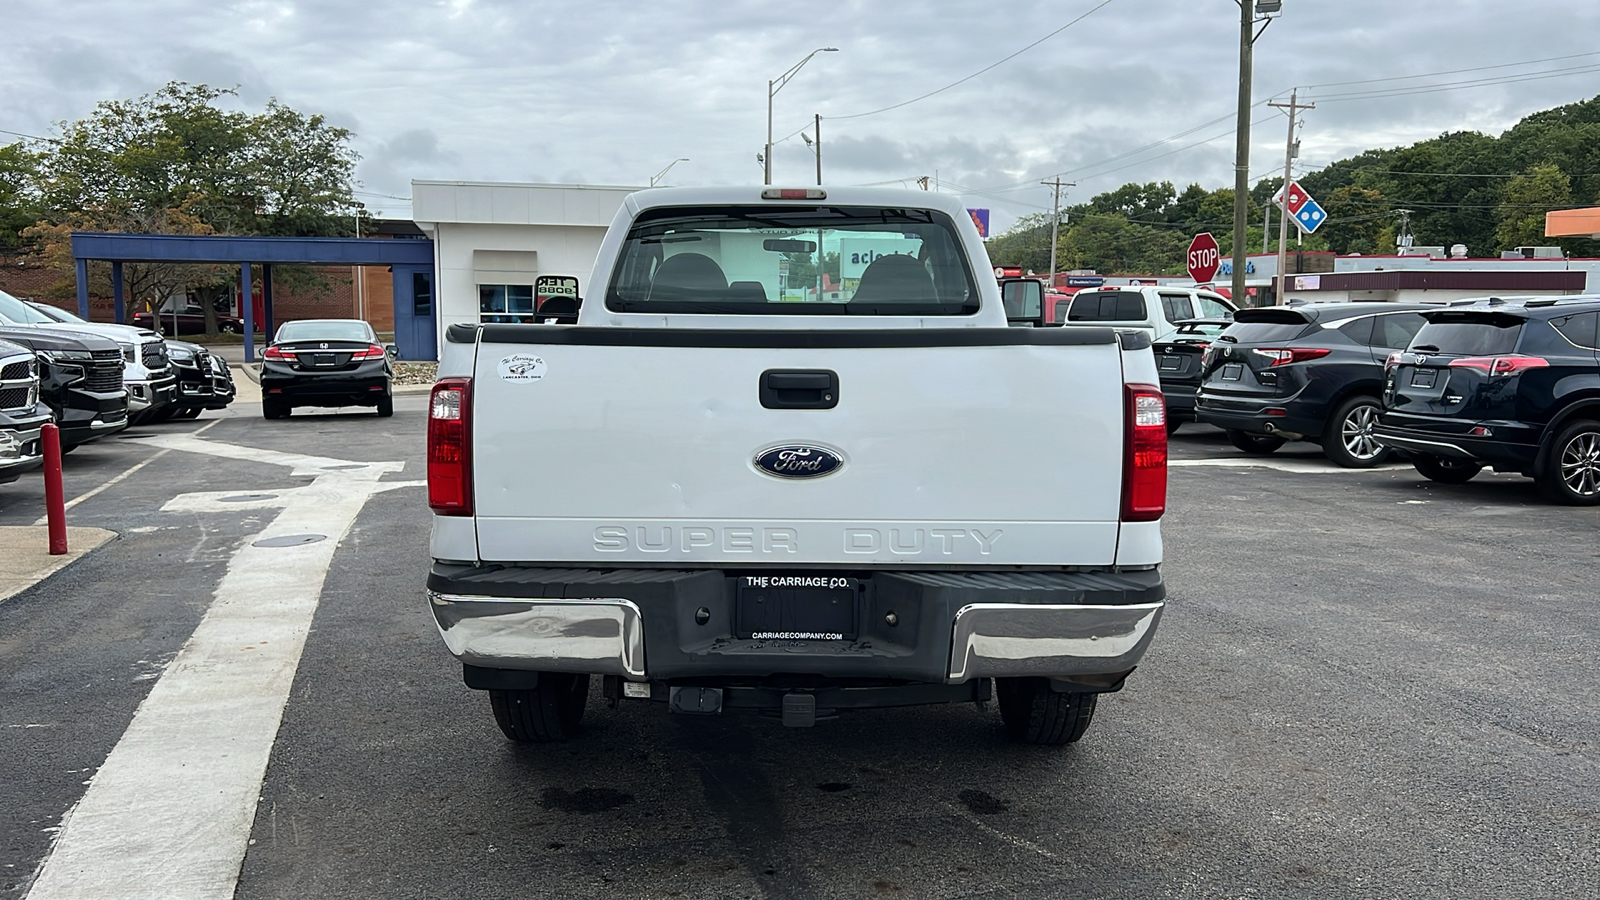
(1289, 152)
(1055, 219)
(1266, 224)
(817, 127)
(1404, 240)
(773, 87)
(1248, 11)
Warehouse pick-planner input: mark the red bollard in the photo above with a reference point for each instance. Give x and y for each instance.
(54, 501)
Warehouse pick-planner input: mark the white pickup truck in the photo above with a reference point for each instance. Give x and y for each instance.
(721, 482)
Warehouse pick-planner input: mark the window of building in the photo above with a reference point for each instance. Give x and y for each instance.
(505, 303)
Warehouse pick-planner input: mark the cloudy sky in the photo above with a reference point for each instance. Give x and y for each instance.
(610, 92)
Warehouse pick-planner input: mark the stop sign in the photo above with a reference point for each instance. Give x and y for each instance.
(1204, 258)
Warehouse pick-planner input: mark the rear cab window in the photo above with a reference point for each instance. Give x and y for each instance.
(1177, 307)
(793, 260)
(1107, 306)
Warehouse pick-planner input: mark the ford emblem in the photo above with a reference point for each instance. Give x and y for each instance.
(798, 461)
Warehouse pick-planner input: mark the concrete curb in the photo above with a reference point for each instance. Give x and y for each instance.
(26, 550)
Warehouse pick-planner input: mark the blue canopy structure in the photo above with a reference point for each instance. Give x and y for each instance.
(411, 260)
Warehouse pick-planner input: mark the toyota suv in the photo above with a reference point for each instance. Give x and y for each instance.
(1311, 373)
(1512, 385)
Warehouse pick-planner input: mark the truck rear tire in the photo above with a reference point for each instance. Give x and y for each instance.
(1035, 714)
(549, 713)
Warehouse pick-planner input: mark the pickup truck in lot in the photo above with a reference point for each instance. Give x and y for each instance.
(717, 495)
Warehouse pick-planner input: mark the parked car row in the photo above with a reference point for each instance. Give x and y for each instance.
(92, 380)
(1511, 384)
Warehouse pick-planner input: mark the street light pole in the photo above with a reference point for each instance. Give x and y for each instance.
(663, 173)
(1248, 9)
(773, 87)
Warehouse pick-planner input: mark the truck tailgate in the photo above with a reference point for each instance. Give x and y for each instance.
(640, 447)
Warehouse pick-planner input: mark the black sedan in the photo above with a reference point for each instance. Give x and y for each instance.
(325, 362)
(1178, 356)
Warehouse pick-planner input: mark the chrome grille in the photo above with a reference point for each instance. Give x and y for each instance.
(154, 355)
(18, 384)
(104, 373)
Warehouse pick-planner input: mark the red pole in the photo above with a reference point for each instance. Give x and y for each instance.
(54, 502)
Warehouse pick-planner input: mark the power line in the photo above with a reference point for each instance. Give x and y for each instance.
(33, 137)
(993, 65)
(1359, 171)
(1458, 85)
(1526, 62)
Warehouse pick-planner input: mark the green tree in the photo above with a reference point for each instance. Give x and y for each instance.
(177, 162)
(19, 193)
(1527, 198)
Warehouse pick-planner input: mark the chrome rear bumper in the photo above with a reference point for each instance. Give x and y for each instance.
(606, 636)
(1001, 640)
(594, 636)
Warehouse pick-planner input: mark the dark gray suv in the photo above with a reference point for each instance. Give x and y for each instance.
(1311, 373)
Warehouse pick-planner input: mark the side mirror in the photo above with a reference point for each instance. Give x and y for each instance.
(392, 349)
(1023, 299)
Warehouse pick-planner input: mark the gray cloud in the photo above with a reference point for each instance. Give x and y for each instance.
(611, 91)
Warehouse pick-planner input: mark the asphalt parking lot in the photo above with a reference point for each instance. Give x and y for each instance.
(1365, 685)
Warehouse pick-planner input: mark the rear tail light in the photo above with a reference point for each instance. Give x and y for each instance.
(450, 447)
(1500, 365)
(1285, 355)
(1394, 359)
(275, 353)
(1144, 468)
(373, 351)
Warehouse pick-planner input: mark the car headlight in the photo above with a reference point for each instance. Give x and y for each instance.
(178, 354)
(67, 356)
(130, 353)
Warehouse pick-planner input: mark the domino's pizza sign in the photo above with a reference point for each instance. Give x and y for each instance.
(1308, 214)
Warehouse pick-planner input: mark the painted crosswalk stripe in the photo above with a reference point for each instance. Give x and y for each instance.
(169, 813)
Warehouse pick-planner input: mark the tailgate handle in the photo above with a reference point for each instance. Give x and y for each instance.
(799, 389)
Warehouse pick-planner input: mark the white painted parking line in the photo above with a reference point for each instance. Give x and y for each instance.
(1282, 465)
(169, 813)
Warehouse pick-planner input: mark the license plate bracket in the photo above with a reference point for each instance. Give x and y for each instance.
(1233, 372)
(1423, 378)
(798, 607)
